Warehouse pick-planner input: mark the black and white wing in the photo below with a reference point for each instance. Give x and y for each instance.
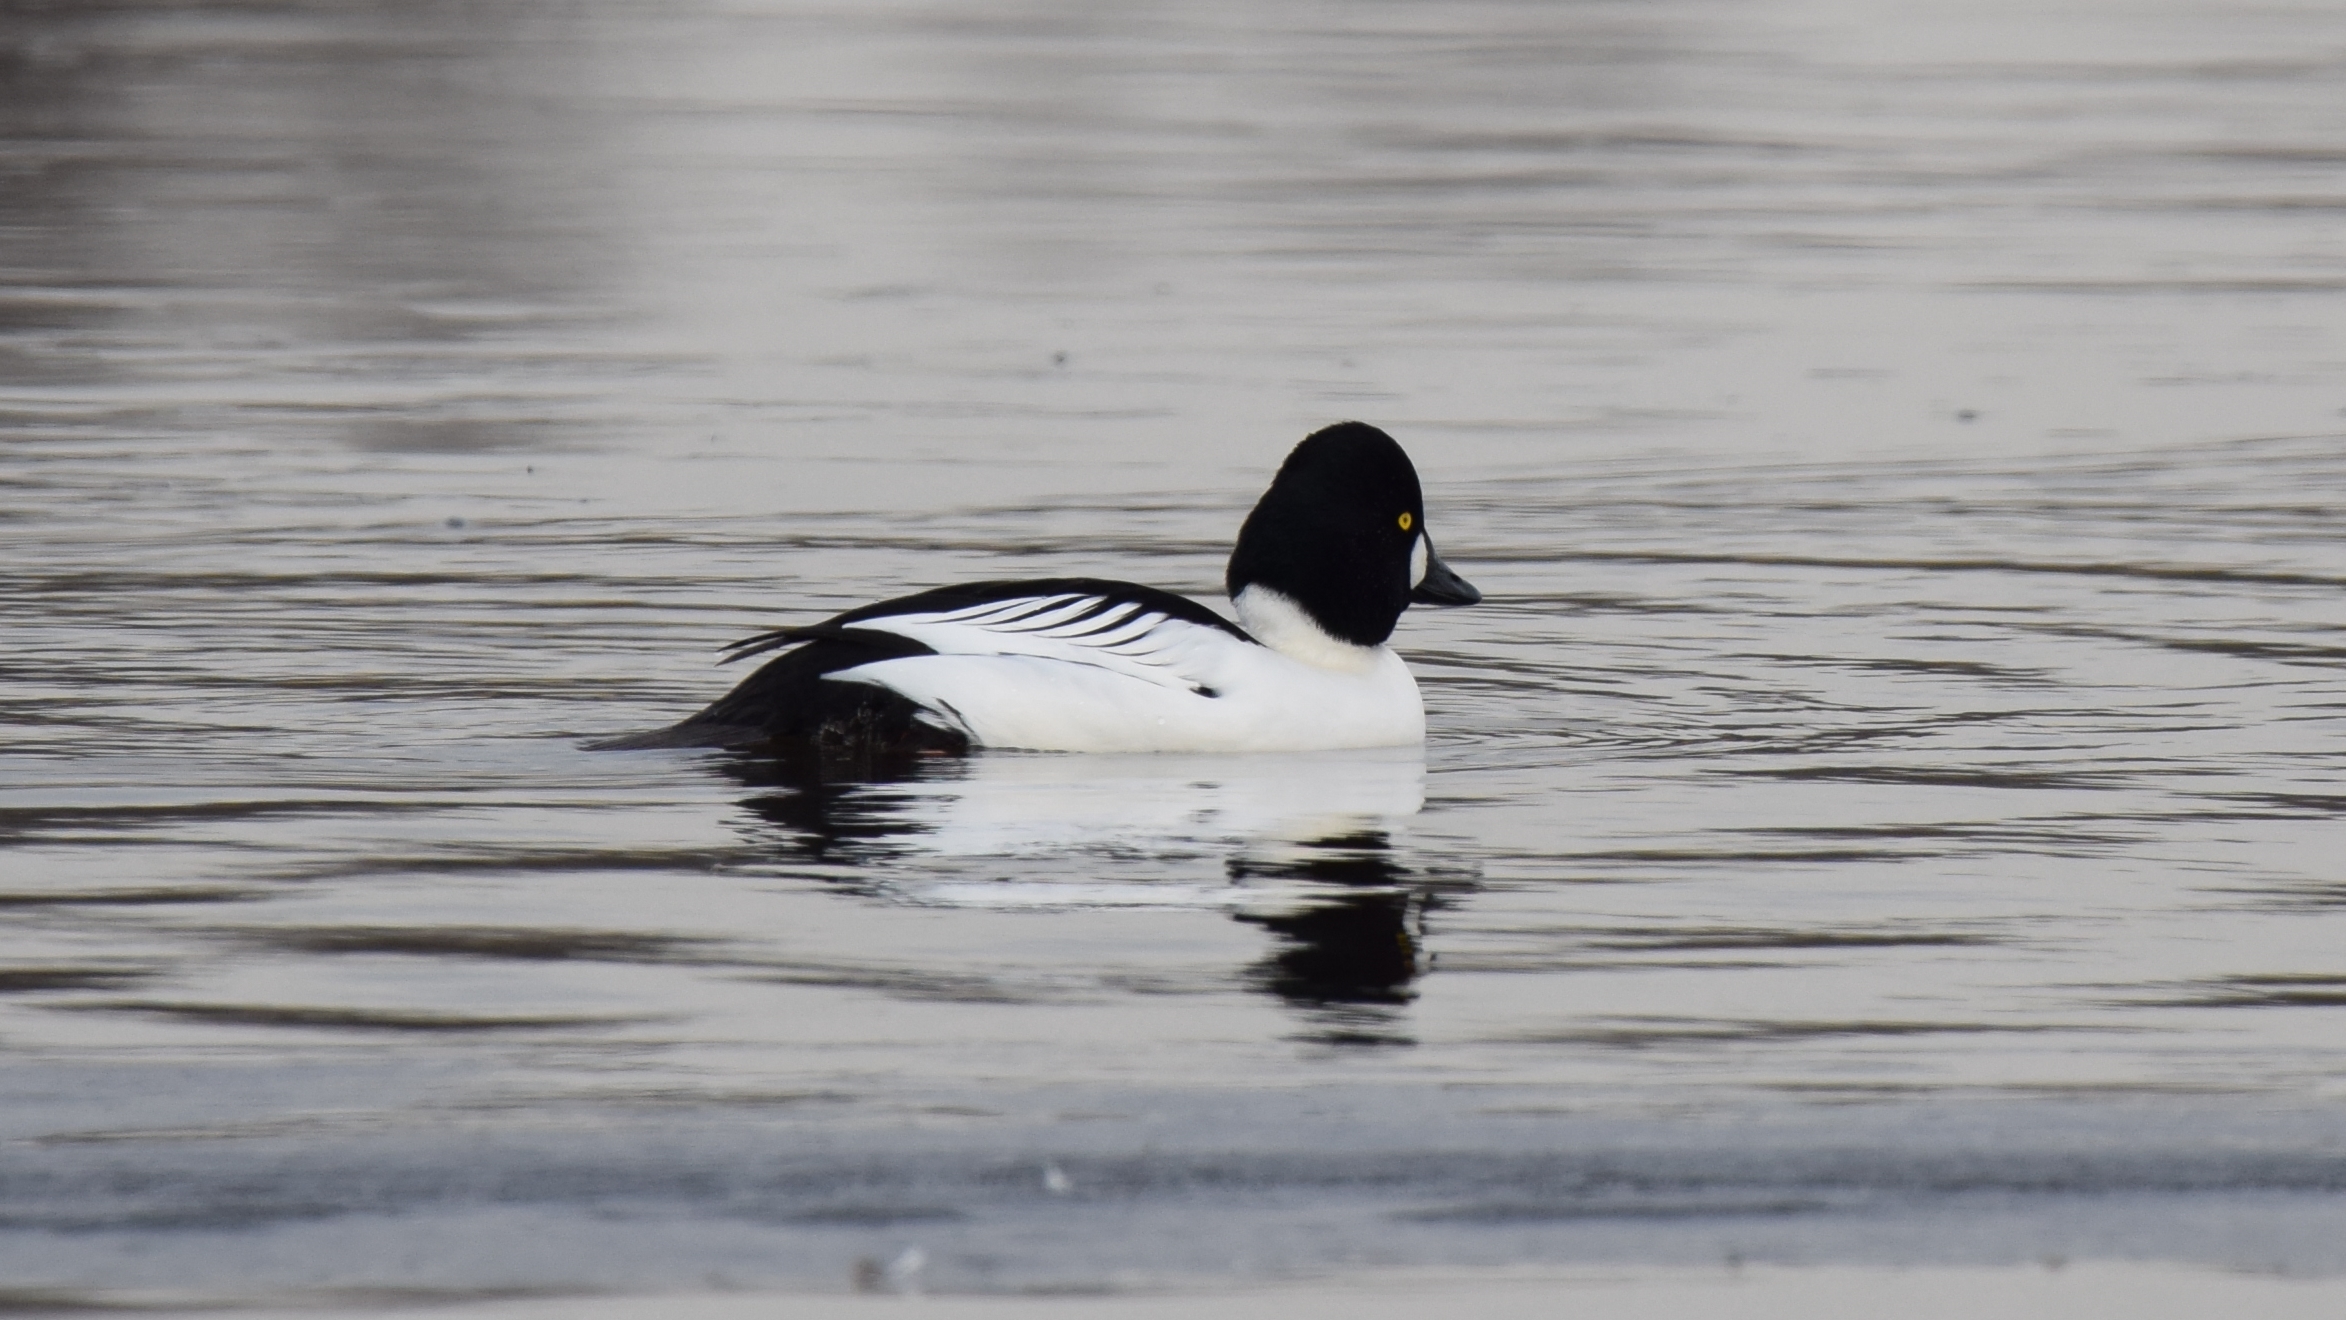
(1138, 632)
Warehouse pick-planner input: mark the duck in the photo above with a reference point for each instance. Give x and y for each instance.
(1323, 567)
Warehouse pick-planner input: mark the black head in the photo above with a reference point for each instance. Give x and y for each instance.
(1338, 534)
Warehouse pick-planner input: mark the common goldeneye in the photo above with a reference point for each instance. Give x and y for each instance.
(1333, 553)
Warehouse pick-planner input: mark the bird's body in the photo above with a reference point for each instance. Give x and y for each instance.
(1322, 570)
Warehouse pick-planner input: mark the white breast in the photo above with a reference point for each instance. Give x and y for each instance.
(1057, 674)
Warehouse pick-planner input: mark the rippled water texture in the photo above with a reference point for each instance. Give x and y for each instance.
(1886, 811)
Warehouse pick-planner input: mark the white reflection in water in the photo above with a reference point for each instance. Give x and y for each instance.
(1311, 847)
(1003, 806)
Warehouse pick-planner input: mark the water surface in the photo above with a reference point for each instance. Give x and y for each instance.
(1885, 810)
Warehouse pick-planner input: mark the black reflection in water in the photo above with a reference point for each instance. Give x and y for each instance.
(1347, 957)
(1356, 949)
(833, 808)
(1347, 954)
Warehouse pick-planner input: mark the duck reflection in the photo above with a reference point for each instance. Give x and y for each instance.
(1306, 845)
(833, 808)
(1351, 948)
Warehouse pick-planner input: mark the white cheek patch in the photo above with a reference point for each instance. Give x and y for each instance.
(1418, 558)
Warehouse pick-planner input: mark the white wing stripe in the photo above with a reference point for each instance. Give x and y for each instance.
(992, 611)
(1108, 621)
(1017, 612)
(1076, 618)
(1086, 631)
(1126, 637)
(1050, 620)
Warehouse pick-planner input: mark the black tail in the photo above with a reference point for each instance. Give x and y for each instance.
(792, 702)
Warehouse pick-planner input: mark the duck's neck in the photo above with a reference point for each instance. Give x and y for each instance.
(1286, 627)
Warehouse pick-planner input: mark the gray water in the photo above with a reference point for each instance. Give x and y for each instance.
(1883, 812)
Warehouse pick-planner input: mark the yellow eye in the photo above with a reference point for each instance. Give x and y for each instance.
(1406, 521)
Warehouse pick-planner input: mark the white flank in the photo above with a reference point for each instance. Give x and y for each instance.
(1133, 680)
